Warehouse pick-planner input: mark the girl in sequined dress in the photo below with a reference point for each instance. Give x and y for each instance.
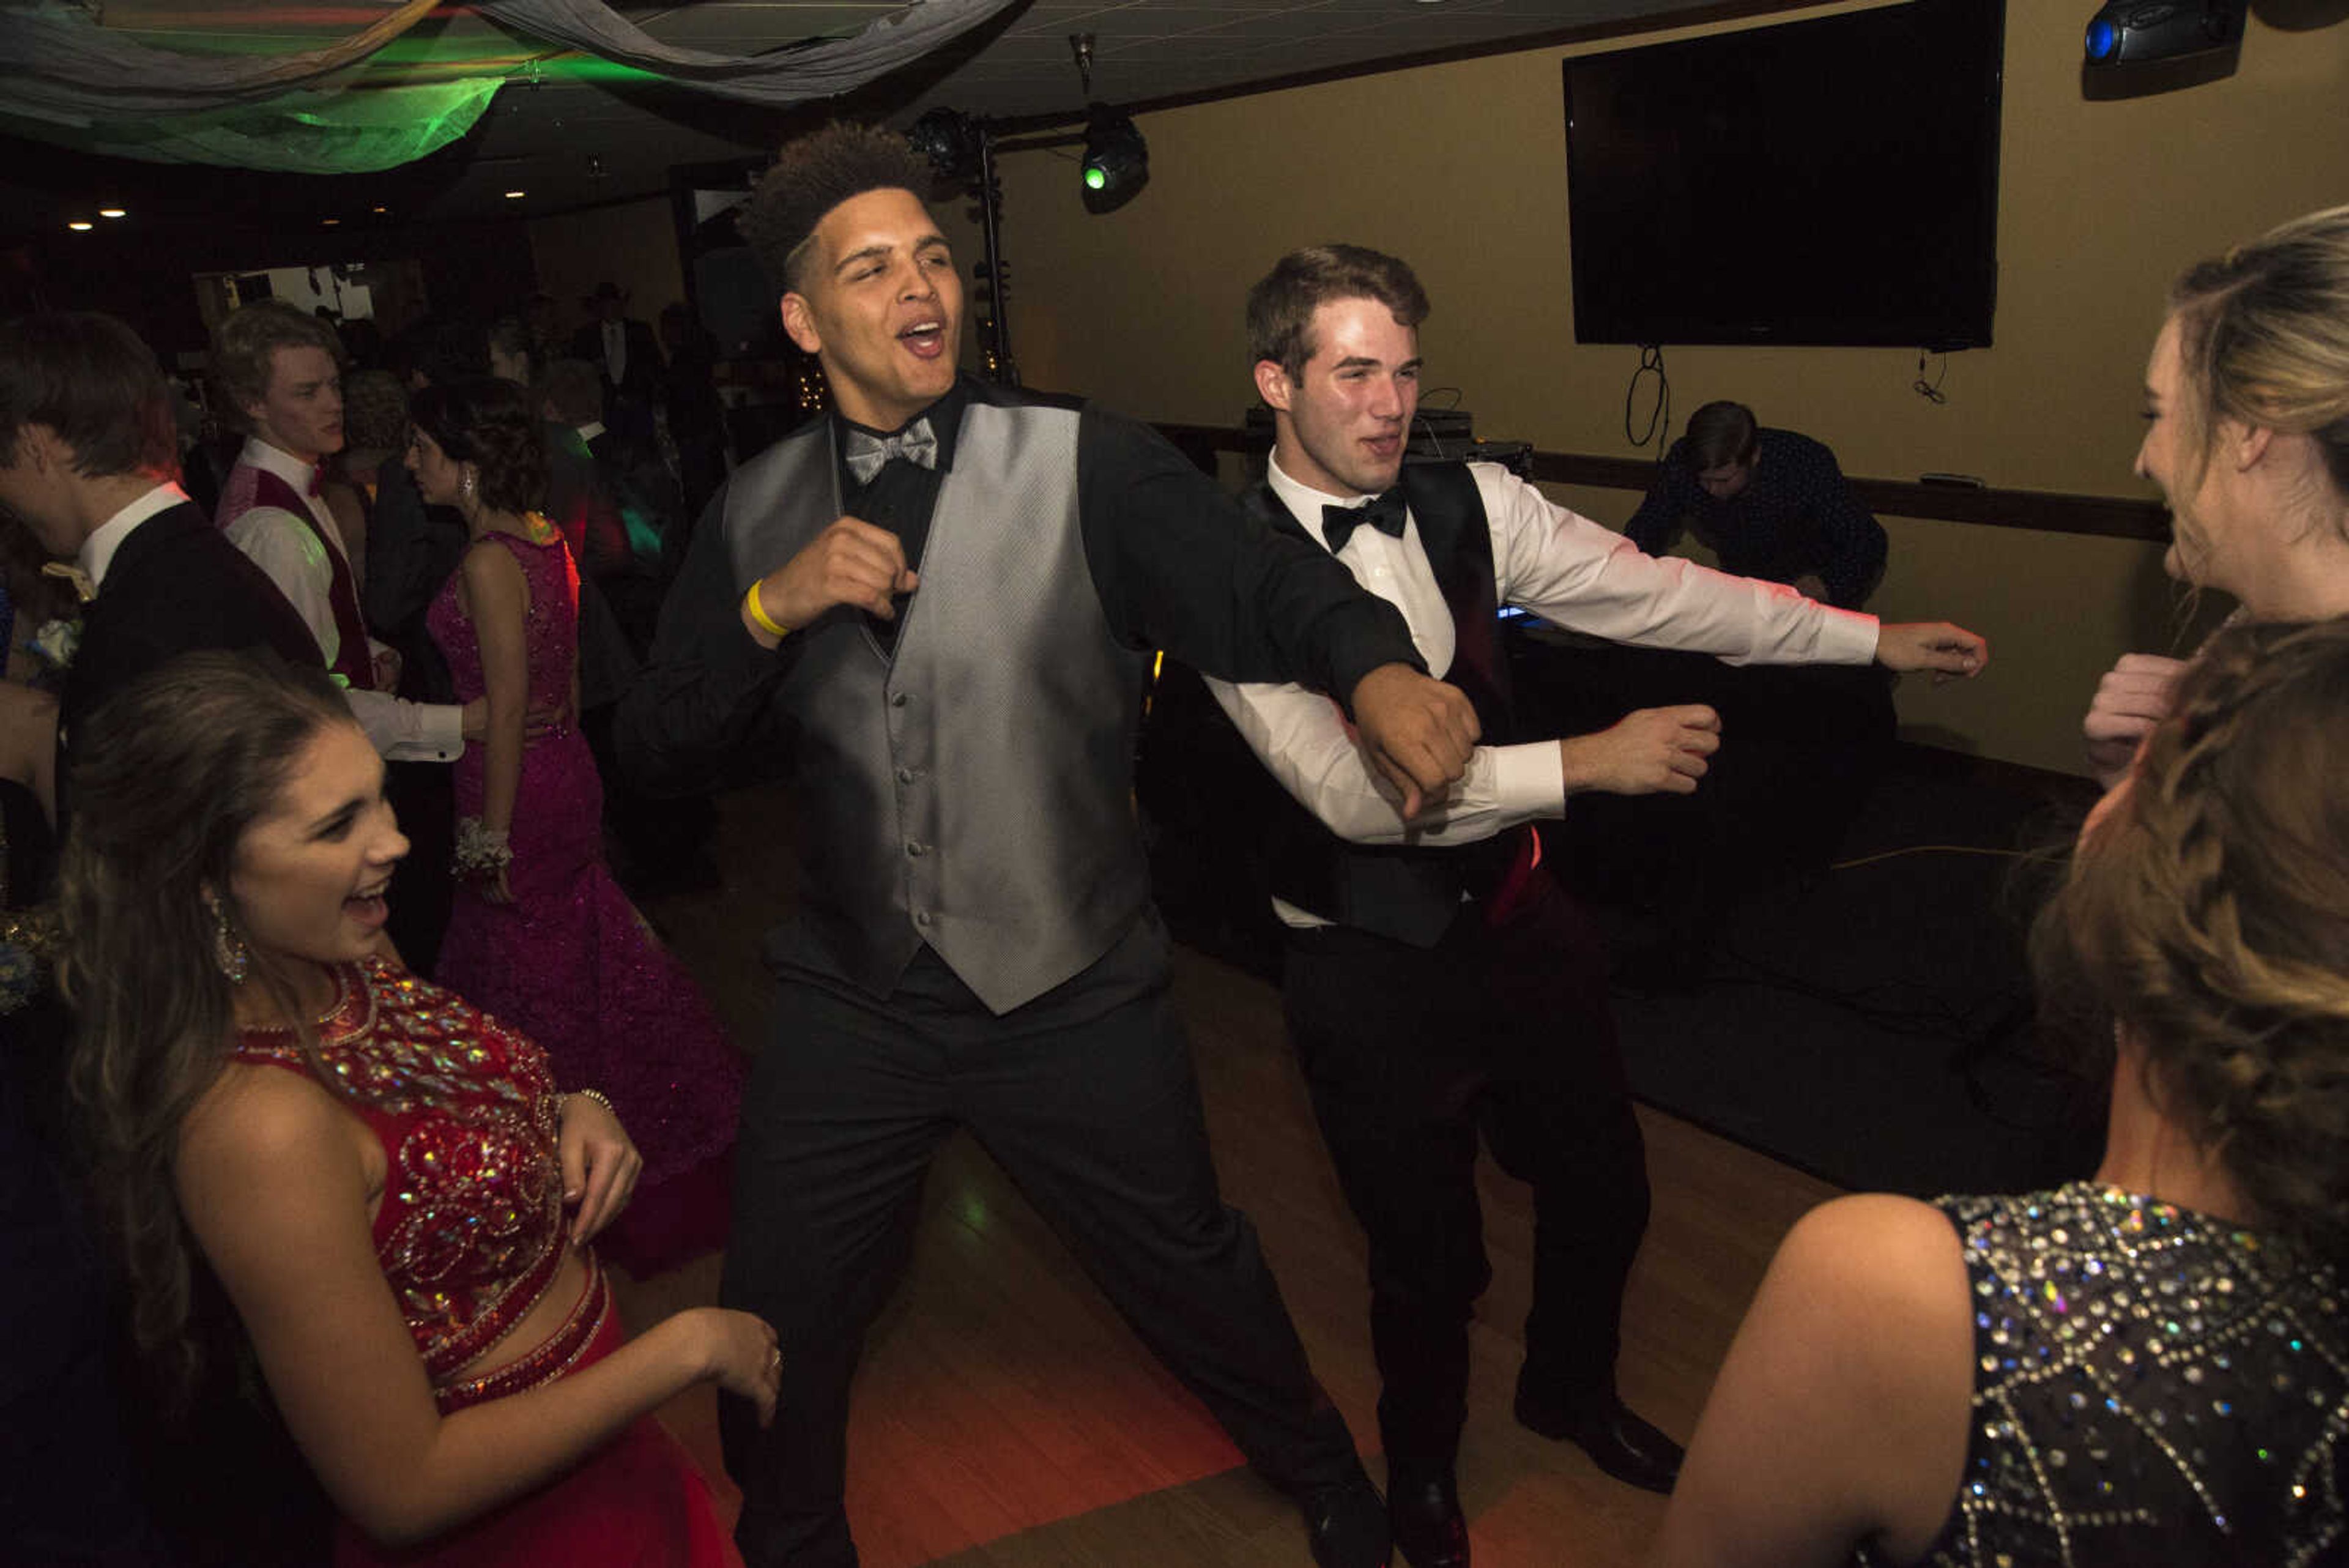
(2151, 1366)
(383, 1180)
(540, 933)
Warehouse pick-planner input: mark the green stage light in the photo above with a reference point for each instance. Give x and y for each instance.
(1117, 160)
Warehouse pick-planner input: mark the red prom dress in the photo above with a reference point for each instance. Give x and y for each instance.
(470, 1235)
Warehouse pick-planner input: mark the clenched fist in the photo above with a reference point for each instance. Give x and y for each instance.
(1419, 730)
(1655, 750)
(849, 562)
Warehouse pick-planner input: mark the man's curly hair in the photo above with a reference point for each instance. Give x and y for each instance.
(812, 175)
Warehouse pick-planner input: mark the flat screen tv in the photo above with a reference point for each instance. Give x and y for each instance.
(1830, 181)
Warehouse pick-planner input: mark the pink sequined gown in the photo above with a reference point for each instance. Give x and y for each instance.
(570, 963)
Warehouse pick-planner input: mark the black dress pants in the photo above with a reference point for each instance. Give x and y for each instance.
(1410, 1054)
(1087, 1099)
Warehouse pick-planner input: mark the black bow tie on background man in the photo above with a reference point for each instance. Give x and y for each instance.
(1383, 512)
(867, 453)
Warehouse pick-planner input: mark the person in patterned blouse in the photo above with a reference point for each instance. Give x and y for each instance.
(382, 1180)
(1770, 503)
(2151, 1365)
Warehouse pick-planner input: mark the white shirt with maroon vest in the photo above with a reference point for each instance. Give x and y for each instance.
(268, 511)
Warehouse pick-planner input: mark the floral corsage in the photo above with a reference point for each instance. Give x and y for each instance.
(481, 851)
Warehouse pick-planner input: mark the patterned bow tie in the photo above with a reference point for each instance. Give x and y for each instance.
(65, 571)
(915, 444)
(1383, 512)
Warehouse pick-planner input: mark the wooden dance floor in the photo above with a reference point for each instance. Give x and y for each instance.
(1006, 1417)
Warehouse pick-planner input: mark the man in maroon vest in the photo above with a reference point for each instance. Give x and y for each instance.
(279, 369)
(1437, 988)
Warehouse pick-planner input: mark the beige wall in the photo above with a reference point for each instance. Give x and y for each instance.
(632, 245)
(1461, 168)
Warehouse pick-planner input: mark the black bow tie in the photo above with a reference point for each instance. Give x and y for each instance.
(915, 444)
(1383, 512)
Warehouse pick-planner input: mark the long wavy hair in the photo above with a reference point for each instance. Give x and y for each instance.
(2208, 914)
(168, 779)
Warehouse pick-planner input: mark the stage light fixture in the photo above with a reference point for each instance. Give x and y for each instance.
(1117, 160)
(949, 138)
(2126, 32)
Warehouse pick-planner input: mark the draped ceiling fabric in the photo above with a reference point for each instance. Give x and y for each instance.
(70, 80)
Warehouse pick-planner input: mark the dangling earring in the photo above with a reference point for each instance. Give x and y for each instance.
(229, 951)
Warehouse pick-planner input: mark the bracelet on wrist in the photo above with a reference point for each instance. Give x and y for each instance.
(758, 615)
(599, 1097)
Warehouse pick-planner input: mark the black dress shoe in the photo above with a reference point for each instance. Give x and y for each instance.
(1424, 1511)
(1346, 1523)
(1617, 1441)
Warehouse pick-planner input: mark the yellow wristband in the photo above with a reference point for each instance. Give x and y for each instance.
(758, 615)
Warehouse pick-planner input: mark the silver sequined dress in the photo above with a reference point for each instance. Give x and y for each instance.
(2151, 1387)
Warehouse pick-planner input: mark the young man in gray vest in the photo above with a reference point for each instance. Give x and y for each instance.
(1437, 986)
(931, 611)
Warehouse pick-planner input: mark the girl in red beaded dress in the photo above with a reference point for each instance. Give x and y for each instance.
(395, 1200)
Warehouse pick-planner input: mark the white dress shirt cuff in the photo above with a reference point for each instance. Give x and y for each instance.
(1528, 781)
(409, 731)
(1846, 637)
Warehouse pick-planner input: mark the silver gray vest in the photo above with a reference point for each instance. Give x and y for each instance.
(974, 794)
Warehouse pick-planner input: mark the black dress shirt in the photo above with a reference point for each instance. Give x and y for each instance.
(1796, 515)
(1176, 564)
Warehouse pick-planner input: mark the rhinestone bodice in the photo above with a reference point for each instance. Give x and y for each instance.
(469, 1231)
(2150, 1385)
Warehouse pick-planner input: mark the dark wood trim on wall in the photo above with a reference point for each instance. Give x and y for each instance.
(2043, 511)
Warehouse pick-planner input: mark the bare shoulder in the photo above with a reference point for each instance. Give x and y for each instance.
(1840, 1413)
(1871, 1247)
(259, 1134)
(489, 577)
(487, 562)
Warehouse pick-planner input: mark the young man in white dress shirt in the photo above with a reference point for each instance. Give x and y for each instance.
(1436, 986)
(280, 370)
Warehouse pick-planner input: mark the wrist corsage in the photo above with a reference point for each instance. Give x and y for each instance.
(481, 851)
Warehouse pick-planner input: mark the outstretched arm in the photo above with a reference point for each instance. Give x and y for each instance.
(1948, 651)
(270, 1180)
(1304, 741)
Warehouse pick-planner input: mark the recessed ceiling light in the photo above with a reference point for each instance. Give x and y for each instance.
(328, 223)
(516, 195)
(112, 213)
(78, 224)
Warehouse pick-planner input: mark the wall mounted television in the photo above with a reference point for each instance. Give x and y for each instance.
(1822, 182)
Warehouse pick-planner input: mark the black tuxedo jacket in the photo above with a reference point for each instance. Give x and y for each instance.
(175, 585)
(641, 382)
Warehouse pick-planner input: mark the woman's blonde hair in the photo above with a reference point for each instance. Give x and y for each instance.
(2263, 338)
